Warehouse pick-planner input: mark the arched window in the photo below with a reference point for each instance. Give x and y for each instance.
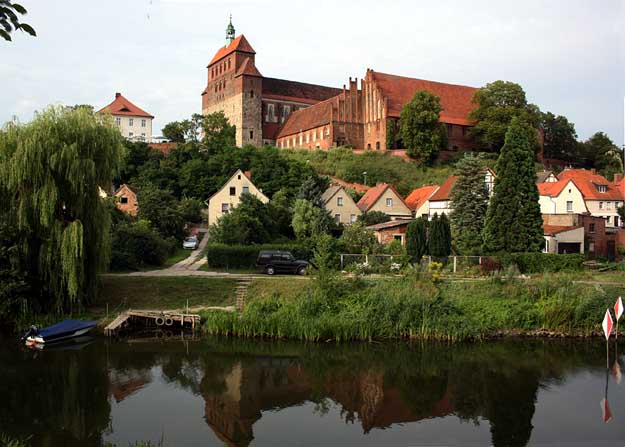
(228, 63)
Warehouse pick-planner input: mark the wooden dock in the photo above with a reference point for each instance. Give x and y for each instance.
(157, 318)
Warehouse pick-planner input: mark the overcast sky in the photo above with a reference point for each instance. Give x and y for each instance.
(569, 56)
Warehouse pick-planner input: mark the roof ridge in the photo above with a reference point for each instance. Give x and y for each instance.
(424, 80)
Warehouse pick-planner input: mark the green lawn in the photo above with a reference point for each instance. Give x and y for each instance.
(176, 257)
(123, 292)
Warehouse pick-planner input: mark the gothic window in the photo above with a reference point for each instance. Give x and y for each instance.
(224, 84)
(251, 134)
(215, 88)
(271, 115)
(228, 63)
(377, 145)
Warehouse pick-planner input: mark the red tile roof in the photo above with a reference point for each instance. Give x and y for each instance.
(552, 230)
(165, 148)
(297, 90)
(588, 183)
(359, 187)
(455, 99)
(238, 44)
(444, 192)
(418, 196)
(248, 68)
(552, 189)
(308, 118)
(373, 195)
(122, 106)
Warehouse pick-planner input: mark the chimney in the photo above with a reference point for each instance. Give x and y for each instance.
(117, 95)
(593, 171)
(248, 174)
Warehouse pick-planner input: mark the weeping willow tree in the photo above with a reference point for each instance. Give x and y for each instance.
(50, 173)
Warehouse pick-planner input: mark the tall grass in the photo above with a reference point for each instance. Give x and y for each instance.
(336, 309)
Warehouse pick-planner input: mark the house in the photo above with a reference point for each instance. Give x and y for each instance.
(546, 176)
(419, 200)
(340, 205)
(393, 230)
(440, 201)
(133, 122)
(601, 197)
(126, 199)
(229, 196)
(383, 197)
(562, 232)
(561, 197)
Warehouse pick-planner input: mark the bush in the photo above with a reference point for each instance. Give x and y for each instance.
(136, 244)
(244, 256)
(543, 262)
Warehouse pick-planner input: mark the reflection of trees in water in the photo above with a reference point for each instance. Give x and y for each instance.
(58, 398)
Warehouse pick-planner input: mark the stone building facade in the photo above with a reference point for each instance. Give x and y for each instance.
(293, 114)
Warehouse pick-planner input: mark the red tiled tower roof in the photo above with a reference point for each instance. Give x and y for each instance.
(456, 100)
(122, 106)
(373, 195)
(418, 196)
(248, 68)
(239, 44)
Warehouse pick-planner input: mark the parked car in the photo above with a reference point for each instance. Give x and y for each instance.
(190, 243)
(273, 261)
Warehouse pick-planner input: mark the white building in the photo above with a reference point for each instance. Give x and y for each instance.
(229, 196)
(134, 123)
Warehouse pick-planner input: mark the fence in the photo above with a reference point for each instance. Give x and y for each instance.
(455, 263)
(348, 259)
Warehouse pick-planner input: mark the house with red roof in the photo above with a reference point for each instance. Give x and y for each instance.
(384, 198)
(602, 198)
(133, 122)
(419, 200)
(126, 199)
(256, 105)
(561, 197)
(440, 201)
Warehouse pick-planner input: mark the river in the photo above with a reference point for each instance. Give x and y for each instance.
(218, 391)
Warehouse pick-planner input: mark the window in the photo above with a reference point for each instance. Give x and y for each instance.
(339, 201)
(600, 205)
(246, 190)
(224, 86)
(607, 219)
(131, 122)
(239, 177)
(130, 134)
(307, 137)
(225, 207)
(271, 114)
(398, 237)
(286, 111)
(389, 202)
(616, 221)
(118, 121)
(251, 134)
(449, 130)
(251, 93)
(608, 205)
(352, 218)
(569, 206)
(591, 247)
(228, 63)
(233, 191)
(143, 123)
(337, 218)
(591, 228)
(602, 188)
(123, 199)
(377, 145)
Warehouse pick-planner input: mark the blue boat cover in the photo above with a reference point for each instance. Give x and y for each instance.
(64, 327)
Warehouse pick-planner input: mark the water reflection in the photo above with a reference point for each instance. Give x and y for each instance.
(74, 397)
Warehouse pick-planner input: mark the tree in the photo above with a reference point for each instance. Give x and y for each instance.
(312, 188)
(136, 154)
(358, 239)
(420, 127)
(50, 171)
(161, 209)
(497, 104)
(560, 137)
(191, 209)
(600, 152)
(469, 202)
(248, 223)
(10, 20)
(309, 220)
(217, 132)
(513, 221)
(416, 239)
(373, 217)
(439, 237)
(179, 131)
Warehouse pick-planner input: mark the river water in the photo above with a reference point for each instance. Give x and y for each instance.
(217, 391)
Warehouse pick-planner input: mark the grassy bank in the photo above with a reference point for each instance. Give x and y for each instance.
(340, 309)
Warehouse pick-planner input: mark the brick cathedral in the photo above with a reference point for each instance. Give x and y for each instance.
(290, 114)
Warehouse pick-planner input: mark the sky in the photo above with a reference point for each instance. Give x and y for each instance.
(568, 55)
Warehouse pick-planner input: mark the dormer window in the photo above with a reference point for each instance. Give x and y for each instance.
(602, 188)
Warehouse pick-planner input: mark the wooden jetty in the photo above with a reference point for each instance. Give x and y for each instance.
(159, 318)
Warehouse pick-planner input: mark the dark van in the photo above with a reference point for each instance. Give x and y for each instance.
(274, 261)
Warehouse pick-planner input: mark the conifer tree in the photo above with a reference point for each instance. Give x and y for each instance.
(513, 221)
(439, 236)
(416, 239)
(469, 201)
(50, 171)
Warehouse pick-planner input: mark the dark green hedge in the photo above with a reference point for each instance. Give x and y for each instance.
(244, 256)
(543, 262)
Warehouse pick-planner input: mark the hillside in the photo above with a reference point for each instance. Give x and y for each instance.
(380, 167)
